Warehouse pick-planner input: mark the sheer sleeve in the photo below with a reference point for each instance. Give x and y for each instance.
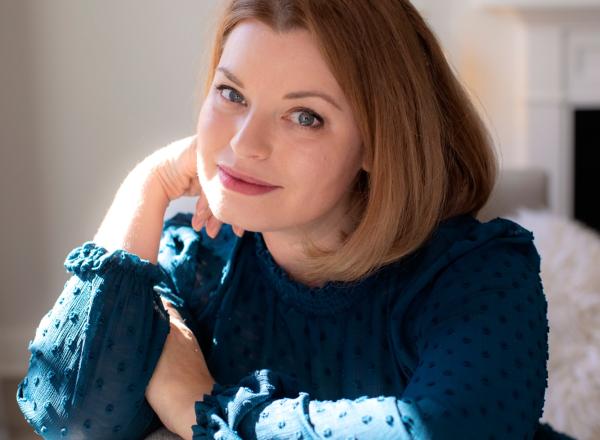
(481, 340)
(268, 405)
(94, 352)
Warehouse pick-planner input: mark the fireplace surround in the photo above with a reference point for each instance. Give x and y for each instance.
(562, 78)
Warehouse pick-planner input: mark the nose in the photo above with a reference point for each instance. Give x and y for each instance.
(251, 140)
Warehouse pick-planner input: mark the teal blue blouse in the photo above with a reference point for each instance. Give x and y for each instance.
(448, 343)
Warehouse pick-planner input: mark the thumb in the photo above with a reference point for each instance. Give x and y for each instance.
(194, 188)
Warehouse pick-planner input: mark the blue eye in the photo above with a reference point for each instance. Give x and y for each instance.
(309, 115)
(224, 87)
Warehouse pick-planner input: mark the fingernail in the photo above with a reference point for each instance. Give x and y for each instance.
(199, 224)
(210, 231)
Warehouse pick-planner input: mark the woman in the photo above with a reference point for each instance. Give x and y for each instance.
(332, 282)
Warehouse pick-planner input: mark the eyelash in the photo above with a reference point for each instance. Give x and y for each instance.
(305, 110)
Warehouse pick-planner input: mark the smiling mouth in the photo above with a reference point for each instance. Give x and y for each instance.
(246, 179)
(240, 186)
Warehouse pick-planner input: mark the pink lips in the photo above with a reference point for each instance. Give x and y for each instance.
(241, 186)
(243, 177)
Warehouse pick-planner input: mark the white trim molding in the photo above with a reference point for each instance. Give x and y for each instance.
(540, 5)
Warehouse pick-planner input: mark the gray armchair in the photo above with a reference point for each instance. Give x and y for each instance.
(516, 188)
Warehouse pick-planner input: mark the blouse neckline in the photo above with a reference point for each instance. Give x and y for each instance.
(333, 295)
(326, 299)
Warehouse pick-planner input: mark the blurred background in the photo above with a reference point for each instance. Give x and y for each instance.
(90, 88)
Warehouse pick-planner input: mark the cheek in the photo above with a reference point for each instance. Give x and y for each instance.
(321, 180)
(208, 143)
(212, 135)
(209, 126)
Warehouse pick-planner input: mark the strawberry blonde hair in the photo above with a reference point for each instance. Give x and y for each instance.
(430, 156)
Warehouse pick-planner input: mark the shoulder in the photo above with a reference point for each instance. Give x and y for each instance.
(466, 260)
(465, 248)
(498, 243)
(470, 276)
(497, 256)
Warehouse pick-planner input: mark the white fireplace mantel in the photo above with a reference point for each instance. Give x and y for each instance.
(563, 74)
(544, 8)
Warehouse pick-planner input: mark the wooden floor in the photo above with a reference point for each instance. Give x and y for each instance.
(12, 423)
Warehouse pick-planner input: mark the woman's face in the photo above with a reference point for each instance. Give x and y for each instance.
(307, 146)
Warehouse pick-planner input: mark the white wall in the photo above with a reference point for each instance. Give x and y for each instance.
(88, 89)
(84, 83)
(487, 51)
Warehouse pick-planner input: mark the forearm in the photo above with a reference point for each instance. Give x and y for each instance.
(134, 221)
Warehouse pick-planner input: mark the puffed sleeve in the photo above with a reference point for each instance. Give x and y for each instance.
(94, 352)
(480, 337)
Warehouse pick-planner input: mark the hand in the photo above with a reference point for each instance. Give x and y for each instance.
(175, 165)
(180, 378)
(203, 216)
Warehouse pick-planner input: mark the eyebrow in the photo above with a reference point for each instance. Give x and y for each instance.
(292, 95)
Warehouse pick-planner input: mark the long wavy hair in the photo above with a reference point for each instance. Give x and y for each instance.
(430, 156)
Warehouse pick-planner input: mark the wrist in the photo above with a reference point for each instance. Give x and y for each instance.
(135, 218)
(151, 172)
(169, 166)
(184, 415)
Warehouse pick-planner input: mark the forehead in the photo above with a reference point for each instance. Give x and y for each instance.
(253, 51)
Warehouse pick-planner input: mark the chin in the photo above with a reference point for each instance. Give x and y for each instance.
(230, 213)
(231, 209)
(249, 221)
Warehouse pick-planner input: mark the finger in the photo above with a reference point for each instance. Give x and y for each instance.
(202, 210)
(200, 215)
(196, 223)
(201, 202)
(213, 225)
(237, 230)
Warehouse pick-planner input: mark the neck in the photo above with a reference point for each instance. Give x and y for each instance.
(286, 245)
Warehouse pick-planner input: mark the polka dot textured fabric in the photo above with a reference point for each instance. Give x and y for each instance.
(449, 342)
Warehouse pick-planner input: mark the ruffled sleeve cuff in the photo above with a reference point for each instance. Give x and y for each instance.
(222, 411)
(206, 426)
(91, 258)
